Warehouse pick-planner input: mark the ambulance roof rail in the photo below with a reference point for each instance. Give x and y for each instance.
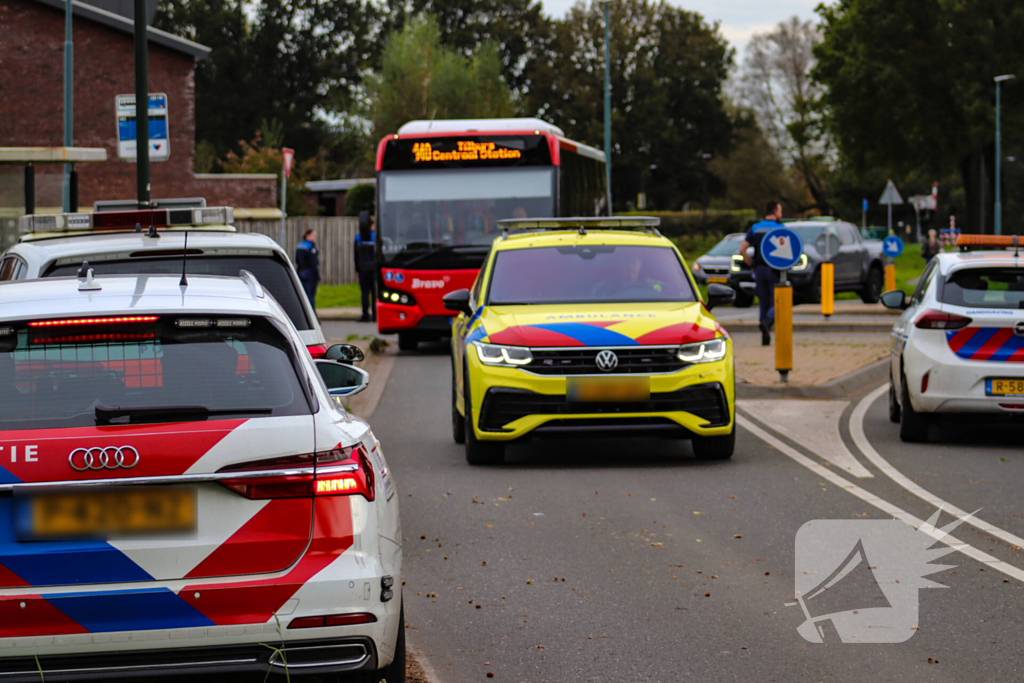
(582, 225)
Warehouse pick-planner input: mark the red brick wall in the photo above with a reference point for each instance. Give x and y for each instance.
(32, 105)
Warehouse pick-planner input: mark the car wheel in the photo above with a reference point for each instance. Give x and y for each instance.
(715, 447)
(392, 673)
(743, 300)
(872, 289)
(479, 452)
(407, 342)
(458, 421)
(913, 425)
(894, 405)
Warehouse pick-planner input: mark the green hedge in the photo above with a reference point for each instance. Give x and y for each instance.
(694, 223)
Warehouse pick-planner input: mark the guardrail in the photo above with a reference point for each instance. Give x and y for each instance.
(335, 237)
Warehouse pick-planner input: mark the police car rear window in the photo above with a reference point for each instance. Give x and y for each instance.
(985, 287)
(76, 372)
(270, 272)
(588, 274)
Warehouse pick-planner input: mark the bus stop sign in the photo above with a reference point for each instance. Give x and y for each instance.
(159, 142)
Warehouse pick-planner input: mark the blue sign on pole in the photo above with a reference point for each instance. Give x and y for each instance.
(781, 248)
(864, 205)
(892, 246)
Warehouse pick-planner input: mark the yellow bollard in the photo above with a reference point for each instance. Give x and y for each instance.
(828, 287)
(890, 277)
(784, 330)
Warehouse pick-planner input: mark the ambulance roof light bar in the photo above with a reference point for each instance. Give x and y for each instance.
(648, 223)
(123, 221)
(973, 242)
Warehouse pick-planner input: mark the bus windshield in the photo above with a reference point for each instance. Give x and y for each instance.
(448, 217)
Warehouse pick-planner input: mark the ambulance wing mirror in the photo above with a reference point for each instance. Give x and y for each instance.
(458, 301)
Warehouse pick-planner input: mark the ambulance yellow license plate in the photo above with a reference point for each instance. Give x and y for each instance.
(1005, 387)
(718, 280)
(608, 389)
(111, 512)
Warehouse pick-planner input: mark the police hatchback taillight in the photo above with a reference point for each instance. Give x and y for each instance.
(338, 472)
(939, 320)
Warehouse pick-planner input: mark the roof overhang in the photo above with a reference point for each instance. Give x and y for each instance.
(51, 155)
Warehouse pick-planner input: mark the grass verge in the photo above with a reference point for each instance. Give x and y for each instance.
(338, 296)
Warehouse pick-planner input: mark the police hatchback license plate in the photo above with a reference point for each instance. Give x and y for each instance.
(1004, 387)
(107, 512)
(608, 389)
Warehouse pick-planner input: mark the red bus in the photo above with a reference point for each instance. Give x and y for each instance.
(442, 186)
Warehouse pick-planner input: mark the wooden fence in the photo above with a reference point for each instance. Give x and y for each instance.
(335, 237)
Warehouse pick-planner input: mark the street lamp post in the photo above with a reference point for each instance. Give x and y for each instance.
(607, 103)
(69, 106)
(999, 154)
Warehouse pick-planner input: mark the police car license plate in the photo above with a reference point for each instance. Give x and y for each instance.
(1004, 387)
(718, 280)
(107, 512)
(608, 389)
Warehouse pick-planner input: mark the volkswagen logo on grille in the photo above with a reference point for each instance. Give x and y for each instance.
(103, 458)
(607, 360)
(1018, 329)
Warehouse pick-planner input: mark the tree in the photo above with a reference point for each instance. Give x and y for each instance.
(280, 60)
(909, 86)
(668, 66)
(421, 79)
(263, 155)
(776, 84)
(361, 197)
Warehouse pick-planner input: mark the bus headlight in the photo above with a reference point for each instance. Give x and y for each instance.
(507, 356)
(390, 296)
(703, 352)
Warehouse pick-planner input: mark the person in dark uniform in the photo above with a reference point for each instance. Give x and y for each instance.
(307, 262)
(365, 265)
(765, 276)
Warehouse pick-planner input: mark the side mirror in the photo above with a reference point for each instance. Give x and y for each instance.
(458, 301)
(896, 300)
(345, 353)
(341, 379)
(720, 295)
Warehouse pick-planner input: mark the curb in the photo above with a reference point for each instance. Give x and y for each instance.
(836, 388)
(822, 326)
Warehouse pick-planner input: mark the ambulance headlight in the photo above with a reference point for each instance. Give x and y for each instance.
(703, 352)
(508, 356)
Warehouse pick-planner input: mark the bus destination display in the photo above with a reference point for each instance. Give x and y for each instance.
(465, 151)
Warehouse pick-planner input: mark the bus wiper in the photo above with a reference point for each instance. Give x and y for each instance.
(107, 414)
(447, 247)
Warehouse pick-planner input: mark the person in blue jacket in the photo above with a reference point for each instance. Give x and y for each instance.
(765, 276)
(307, 263)
(366, 266)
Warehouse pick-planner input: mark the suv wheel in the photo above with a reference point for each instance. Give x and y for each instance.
(458, 421)
(479, 452)
(913, 425)
(714, 447)
(872, 289)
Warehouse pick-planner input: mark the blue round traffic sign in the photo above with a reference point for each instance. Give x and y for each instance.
(892, 246)
(781, 248)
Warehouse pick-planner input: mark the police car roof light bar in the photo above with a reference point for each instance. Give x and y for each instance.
(972, 242)
(127, 221)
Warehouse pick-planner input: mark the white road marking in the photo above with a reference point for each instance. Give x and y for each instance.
(826, 472)
(860, 438)
(812, 424)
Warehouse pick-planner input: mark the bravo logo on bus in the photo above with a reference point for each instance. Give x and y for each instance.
(430, 284)
(466, 151)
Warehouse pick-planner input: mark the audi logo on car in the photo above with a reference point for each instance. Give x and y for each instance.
(607, 360)
(1018, 329)
(103, 458)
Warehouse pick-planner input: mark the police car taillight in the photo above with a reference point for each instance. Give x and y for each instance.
(127, 220)
(939, 320)
(339, 472)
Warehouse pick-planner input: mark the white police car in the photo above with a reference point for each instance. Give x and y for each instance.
(54, 245)
(180, 493)
(959, 345)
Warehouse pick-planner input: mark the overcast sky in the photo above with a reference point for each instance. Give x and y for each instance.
(740, 18)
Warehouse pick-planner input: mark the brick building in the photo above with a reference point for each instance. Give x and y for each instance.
(31, 104)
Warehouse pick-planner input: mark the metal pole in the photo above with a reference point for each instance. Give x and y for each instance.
(141, 104)
(69, 104)
(607, 103)
(284, 198)
(999, 157)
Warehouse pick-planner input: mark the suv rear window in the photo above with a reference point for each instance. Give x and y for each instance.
(270, 272)
(600, 273)
(985, 287)
(152, 369)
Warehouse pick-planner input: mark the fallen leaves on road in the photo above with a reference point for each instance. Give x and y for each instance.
(737, 535)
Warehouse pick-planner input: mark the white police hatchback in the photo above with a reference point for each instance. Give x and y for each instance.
(959, 345)
(181, 493)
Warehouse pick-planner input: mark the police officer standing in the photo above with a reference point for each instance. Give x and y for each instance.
(307, 262)
(765, 276)
(366, 266)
